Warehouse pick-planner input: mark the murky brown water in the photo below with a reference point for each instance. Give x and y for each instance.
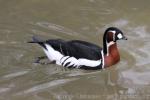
(20, 79)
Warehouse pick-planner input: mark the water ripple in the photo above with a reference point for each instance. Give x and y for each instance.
(57, 28)
(131, 78)
(4, 90)
(16, 74)
(46, 85)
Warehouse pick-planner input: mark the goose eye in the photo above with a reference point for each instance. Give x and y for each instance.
(119, 36)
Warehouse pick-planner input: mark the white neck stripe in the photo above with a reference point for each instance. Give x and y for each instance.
(102, 53)
(108, 45)
(112, 31)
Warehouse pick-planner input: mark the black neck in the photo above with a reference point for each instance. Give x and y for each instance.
(105, 44)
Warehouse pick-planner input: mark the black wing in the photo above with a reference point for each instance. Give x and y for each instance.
(77, 49)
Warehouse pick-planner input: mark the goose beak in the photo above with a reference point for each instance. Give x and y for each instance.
(124, 38)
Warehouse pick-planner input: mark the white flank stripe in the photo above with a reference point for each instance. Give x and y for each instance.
(60, 59)
(81, 62)
(72, 60)
(90, 63)
(63, 59)
(71, 64)
(53, 54)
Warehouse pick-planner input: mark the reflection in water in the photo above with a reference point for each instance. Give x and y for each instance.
(73, 19)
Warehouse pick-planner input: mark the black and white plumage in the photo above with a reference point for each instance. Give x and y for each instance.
(76, 53)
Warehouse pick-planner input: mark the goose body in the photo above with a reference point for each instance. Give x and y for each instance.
(81, 54)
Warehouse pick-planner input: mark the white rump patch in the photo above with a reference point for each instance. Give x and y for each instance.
(119, 36)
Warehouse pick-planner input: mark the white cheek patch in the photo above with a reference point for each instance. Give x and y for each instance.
(119, 36)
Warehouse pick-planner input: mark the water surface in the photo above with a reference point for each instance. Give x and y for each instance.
(21, 79)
